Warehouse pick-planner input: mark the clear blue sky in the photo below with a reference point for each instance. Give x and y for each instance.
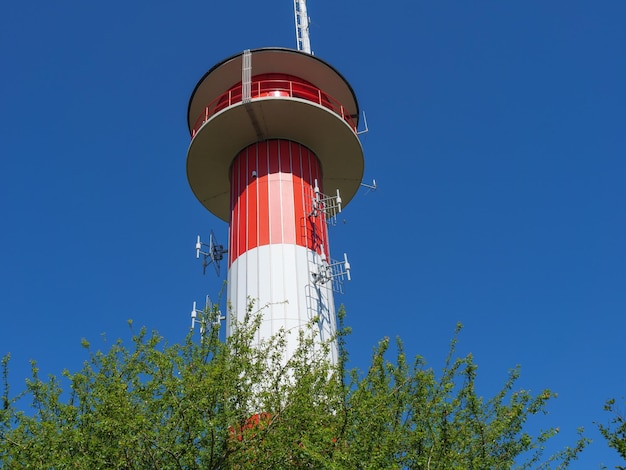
(496, 137)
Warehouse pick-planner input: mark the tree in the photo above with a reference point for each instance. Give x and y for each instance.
(615, 431)
(235, 404)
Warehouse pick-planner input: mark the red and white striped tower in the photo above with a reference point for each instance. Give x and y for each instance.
(272, 129)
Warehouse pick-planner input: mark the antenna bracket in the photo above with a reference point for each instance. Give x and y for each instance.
(210, 316)
(212, 253)
(330, 206)
(334, 271)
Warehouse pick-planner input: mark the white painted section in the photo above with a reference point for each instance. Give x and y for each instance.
(277, 278)
(303, 39)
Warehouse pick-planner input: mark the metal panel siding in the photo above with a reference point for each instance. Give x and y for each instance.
(234, 212)
(287, 198)
(284, 157)
(288, 214)
(263, 171)
(264, 280)
(277, 279)
(274, 166)
(275, 243)
(241, 283)
(242, 203)
(306, 166)
(278, 296)
(252, 203)
(299, 213)
(290, 284)
(253, 285)
(273, 207)
(298, 194)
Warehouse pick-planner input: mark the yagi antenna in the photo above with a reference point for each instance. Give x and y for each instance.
(367, 129)
(371, 187)
(330, 206)
(214, 253)
(210, 316)
(331, 270)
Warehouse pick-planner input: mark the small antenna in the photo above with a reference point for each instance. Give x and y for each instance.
(346, 265)
(303, 40)
(330, 206)
(210, 316)
(370, 187)
(194, 315)
(334, 271)
(367, 129)
(214, 255)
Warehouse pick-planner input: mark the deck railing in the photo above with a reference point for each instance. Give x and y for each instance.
(278, 88)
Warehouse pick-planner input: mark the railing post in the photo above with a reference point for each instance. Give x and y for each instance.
(279, 86)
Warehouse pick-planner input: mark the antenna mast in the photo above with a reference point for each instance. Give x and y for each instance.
(302, 26)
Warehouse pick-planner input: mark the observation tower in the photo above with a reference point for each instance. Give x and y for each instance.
(273, 131)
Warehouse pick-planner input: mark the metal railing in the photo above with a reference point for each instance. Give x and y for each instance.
(277, 88)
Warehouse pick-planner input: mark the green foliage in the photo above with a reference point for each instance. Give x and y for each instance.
(615, 431)
(237, 404)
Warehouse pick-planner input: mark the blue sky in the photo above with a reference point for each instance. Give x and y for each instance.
(496, 138)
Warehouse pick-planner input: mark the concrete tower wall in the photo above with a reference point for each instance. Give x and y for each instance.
(277, 242)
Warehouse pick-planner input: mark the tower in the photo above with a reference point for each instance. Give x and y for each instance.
(272, 130)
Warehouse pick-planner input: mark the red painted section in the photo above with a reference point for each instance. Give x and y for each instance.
(242, 203)
(275, 207)
(255, 422)
(273, 84)
(234, 201)
(252, 222)
(263, 194)
(286, 188)
(272, 186)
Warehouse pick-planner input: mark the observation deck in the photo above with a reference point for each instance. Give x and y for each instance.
(271, 93)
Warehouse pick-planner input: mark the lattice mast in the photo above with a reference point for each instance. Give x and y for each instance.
(303, 39)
